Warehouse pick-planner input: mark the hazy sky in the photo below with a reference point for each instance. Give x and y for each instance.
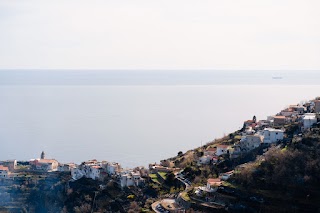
(160, 34)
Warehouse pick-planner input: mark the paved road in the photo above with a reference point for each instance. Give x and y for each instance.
(154, 205)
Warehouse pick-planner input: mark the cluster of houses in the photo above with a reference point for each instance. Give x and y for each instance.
(257, 133)
(7, 167)
(99, 170)
(213, 184)
(88, 169)
(43, 164)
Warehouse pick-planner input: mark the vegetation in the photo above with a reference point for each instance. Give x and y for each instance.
(292, 169)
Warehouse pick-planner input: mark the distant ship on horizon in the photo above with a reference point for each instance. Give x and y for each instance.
(277, 77)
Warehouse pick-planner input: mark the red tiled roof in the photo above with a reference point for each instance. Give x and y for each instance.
(43, 161)
(96, 167)
(214, 181)
(223, 146)
(230, 172)
(4, 168)
(211, 149)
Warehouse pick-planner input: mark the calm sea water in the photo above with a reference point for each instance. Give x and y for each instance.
(133, 125)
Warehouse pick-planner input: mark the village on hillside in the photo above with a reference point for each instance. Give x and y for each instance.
(175, 174)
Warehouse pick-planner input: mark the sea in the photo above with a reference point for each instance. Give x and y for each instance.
(136, 117)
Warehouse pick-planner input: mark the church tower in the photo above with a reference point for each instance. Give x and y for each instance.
(43, 155)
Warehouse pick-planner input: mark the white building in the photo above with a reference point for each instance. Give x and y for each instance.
(113, 168)
(222, 149)
(66, 167)
(213, 184)
(136, 177)
(130, 178)
(4, 172)
(227, 175)
(271, 135)
(94, 172)
(126, 180)
(205, 159)
(250, 142)
(77, 173)
(309, 119)
(48, 165)
(89, 169)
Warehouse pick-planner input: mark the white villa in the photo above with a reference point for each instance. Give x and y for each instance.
(309, 119)
(271, 135)
(130, 178)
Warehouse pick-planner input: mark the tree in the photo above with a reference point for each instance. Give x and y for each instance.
(170, 178)
(134, 207)
(180, 153)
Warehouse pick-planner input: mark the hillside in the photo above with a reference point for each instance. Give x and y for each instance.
(268, 165)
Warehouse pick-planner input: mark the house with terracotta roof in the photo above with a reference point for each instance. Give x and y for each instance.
(48, 165)
(288, 112)
(210, 151)
(4, 172)
(298, 108)
(213, 184)
(11, 164)
(279, 120)
(248, 123)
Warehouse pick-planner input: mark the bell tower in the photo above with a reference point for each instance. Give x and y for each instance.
(43, 155)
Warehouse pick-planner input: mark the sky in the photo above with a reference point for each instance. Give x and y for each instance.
(166, 34)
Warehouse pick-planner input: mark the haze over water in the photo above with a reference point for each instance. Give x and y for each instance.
(135, 117)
